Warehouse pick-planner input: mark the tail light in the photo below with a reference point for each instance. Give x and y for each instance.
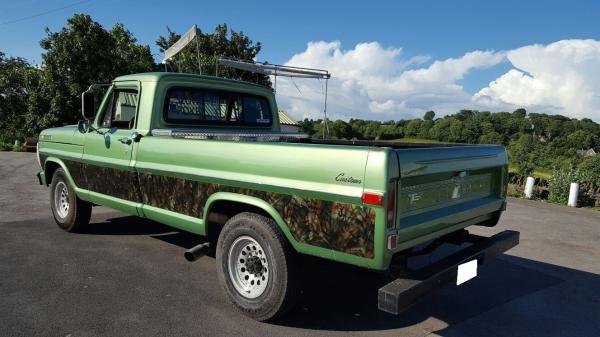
(391, 204)
(376, 199)
(371, 198)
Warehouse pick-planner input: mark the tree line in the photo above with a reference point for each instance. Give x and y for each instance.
(534, 139)
(83, 52)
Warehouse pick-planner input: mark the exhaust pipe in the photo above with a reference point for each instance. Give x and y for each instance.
(197, 252)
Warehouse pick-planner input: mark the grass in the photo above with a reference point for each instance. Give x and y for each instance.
(539, 172)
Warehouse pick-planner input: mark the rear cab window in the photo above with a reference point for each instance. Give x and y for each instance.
(209, 107)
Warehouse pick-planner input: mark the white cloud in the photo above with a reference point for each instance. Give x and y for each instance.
(370, 81)
(373, 82)
(562, 77)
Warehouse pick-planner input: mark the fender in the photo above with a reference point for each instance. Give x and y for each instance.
(81, 193)
(301, 247)
(252, 201)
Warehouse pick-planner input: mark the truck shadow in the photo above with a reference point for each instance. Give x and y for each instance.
(133, 225)
(341, 298)
(511, 295)
(126, 225)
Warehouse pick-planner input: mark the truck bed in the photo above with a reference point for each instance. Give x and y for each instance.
(268, 136)
(377, 143)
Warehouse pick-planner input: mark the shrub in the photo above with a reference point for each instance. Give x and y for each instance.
(560, 184)
(6, 146)
(589, 174)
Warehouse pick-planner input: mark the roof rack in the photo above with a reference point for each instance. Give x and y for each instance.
(282, 70)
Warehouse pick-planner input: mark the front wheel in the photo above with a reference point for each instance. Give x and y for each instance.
(256, 266)
(70, 213)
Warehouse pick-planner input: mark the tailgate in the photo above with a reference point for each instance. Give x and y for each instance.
(447, 188)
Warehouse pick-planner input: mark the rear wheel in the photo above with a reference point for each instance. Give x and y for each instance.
(256, 266)
(70, 213)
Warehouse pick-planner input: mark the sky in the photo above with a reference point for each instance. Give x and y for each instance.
(389, 60)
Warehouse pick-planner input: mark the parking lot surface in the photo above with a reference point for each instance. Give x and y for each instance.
(126, 276)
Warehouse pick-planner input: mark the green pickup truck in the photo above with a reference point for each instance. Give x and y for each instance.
(206, 155)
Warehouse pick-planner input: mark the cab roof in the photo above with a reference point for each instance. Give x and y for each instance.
(159, 76)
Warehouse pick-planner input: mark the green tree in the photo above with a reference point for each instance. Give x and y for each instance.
(340, 130)
(581, 140)
(490, 138)
(520, 113)
(83, 53)
(521, 154)
(413, 128)
(19, 81)
(429, 115)
(455, 131)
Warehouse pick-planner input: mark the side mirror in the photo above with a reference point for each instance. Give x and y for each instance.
(83, 126)
(88, 106)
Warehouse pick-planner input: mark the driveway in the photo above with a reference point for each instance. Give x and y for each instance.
(127, 276)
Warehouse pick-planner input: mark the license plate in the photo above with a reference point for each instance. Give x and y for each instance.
(466, 271)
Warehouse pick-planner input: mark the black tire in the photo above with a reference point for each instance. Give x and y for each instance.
(282, 284)
(76, 215)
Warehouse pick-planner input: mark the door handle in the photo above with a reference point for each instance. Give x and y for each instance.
(135, 137)
(125, 140)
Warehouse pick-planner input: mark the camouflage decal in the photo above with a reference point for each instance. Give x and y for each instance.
(105, 180)
(77, 173)
(343, 227)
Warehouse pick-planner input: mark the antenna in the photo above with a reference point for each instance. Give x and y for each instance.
(281, 70)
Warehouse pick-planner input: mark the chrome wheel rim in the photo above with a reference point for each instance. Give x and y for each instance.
(61, 199)
(248, 267)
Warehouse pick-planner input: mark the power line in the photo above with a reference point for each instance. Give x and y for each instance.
(43, 13)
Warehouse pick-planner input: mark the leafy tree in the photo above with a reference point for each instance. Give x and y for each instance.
(521, 154)
(520, 113)
(19, 82)
(413, 127)
(581, 140)
(455, 131)
(83, 53)
(425, 128)
(340, 129)
(429, 115)
(490, 138)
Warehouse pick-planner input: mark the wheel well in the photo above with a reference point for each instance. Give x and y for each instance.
(49, 171)
(222, 210)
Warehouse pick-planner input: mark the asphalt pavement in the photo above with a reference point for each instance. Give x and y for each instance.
(126, 276)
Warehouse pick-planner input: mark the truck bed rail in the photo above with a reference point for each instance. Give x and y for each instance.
(252, 135)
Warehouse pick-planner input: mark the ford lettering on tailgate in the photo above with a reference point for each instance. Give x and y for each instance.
(438, 193)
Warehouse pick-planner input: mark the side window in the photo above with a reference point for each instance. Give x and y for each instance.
(120, 112)
(198, 106)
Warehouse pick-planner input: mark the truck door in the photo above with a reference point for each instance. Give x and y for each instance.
(109, 173)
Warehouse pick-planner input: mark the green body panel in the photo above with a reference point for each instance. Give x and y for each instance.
(312, 191)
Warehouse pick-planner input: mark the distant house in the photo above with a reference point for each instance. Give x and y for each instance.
(589, 152)
(288, 124)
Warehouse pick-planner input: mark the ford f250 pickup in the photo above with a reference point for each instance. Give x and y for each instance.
(206, 155)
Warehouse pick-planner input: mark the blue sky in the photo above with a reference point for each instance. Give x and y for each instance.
(438, 30)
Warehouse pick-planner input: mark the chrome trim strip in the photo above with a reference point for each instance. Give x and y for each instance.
(252, 135)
